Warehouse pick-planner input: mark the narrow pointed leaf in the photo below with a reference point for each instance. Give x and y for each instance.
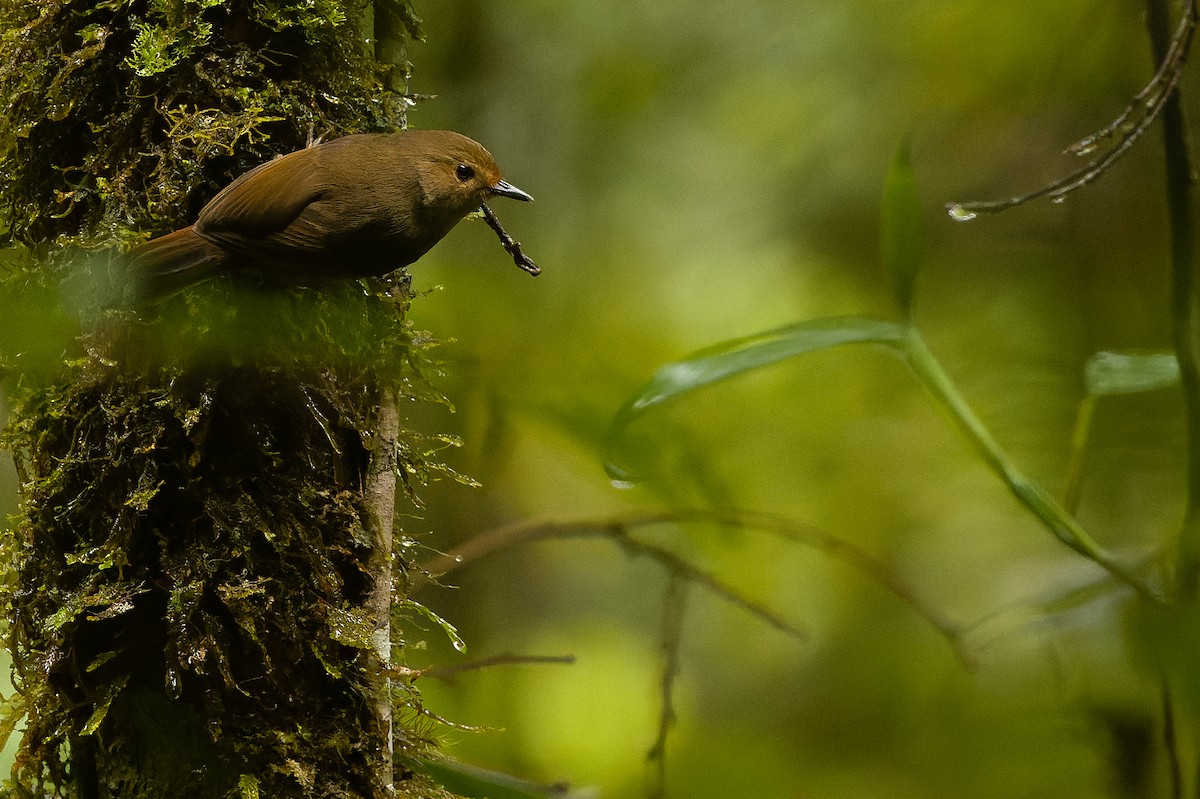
(901, 228)
(729, 358)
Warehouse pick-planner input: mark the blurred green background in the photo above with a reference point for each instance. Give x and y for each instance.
(706, 171)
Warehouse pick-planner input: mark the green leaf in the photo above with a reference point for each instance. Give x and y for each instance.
(1109, 373)
(900, 234)
(729, 358)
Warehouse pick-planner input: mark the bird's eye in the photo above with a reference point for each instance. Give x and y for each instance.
(464, 172)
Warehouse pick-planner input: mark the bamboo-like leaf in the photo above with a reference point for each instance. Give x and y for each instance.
(729, 358)
(900, 234)
(1108, 373)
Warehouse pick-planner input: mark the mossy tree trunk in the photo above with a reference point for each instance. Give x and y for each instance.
(195, 590)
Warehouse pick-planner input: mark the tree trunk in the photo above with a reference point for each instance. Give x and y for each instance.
(199, 592)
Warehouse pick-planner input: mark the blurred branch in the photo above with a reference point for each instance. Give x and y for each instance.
(674, 605)
(1002, 621)
(1184, 321)
(1138, 116)
(1184, 302)
(446, 673)
(682, 570)
(1171, 741)
(619, 529)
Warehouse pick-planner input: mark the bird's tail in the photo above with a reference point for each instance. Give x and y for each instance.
(167, 265)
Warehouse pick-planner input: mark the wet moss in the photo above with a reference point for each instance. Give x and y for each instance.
(126, 115)
(183, 589)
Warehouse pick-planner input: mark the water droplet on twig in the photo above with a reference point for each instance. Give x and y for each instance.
(960, 214)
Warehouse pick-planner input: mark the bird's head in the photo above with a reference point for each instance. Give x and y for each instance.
(456, 174)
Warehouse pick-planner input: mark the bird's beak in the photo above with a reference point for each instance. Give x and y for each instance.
(506, 189)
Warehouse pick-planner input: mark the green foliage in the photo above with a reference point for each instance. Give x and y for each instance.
(714, 175)
(157, 49)
(311, 17)
(901, 228)
(730, 358)
(901, 234)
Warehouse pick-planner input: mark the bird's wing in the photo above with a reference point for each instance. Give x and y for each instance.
(265, 201)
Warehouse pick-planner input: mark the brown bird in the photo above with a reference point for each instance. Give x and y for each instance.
(353, 207)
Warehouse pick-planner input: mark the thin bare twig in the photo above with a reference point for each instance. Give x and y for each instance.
(1145, 108)
(681, 569)
(1170, 70)
(447, 673)
(617, 530)
(511, 246)
(511, 535)
(674, 606)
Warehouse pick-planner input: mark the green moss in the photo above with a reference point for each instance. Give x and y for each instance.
(156, 49)
(125, 116)
(191, 517)
(311, 17)
(183, 588)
